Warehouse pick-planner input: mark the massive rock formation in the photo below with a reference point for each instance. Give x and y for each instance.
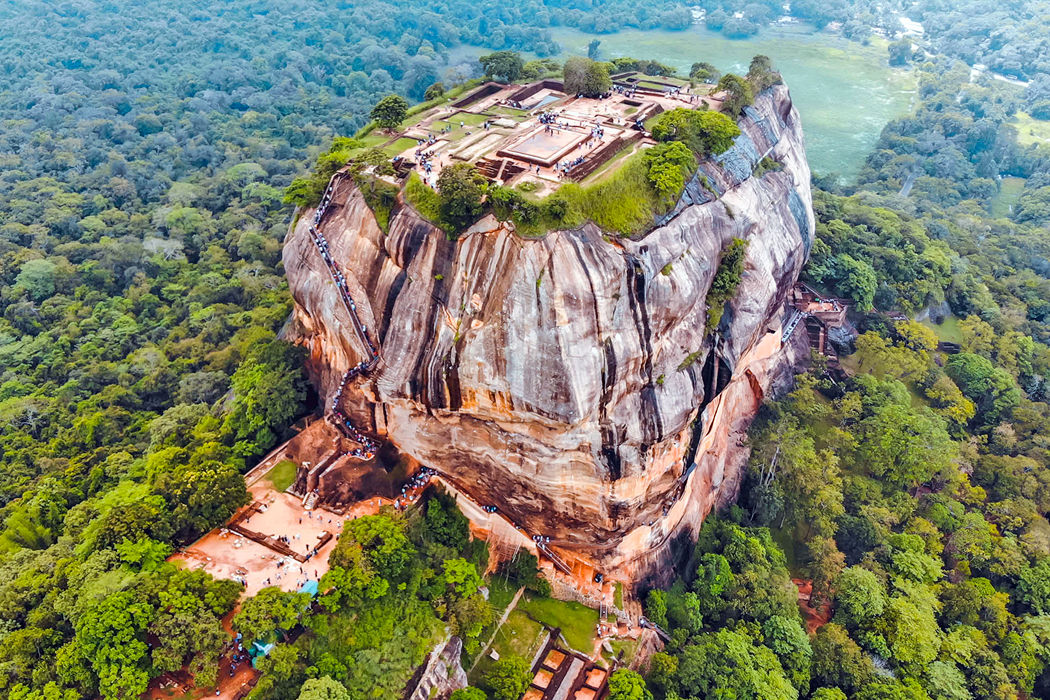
(569, 379)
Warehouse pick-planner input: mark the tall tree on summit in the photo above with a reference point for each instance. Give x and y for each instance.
(504, 66)
(390, 111)
(586, 77)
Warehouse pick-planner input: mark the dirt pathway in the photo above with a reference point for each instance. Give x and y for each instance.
(503, 618)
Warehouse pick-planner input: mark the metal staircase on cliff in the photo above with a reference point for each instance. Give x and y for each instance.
(558, 562)
(649, 624)
(792, 325)
(368, 446)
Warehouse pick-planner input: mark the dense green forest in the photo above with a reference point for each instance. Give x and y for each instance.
(1007, 37)
(146, 151)
(394, 585)
(911, 494)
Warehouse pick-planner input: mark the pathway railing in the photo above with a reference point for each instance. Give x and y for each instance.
(368, 446)
(792, 325)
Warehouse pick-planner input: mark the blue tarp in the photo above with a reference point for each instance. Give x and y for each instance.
(309, 587)
(259, 650)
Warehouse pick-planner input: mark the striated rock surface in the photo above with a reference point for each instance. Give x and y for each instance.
(569, 380)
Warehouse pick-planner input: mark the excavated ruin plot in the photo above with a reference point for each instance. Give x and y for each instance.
(545, 146)
(226, 554)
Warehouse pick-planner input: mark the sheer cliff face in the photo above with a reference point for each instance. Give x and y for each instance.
(569, 380)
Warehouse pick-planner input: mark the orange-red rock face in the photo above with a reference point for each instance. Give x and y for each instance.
(547, 376)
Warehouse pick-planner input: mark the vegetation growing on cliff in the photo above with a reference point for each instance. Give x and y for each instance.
(884, 489)
(910, 496)
(726, 280)
(706, 133)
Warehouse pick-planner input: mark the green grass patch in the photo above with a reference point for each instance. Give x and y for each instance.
(576, 621)
(423, 199)
(624, 202)
(649, 85)
(1030, 130)
(282, 475)
(520, 635)
(948, 331)
(374, 138)
(618, 595)
(650, 121)
(470, 123)
(468, 119)
(501, 593)
(400, 146)
(519, 114)
(627, 647)
(455, 134)
(1010, 189)
(614, 162)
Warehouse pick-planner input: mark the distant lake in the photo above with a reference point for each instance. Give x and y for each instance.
(845, 92)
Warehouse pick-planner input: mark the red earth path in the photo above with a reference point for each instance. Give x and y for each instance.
(815, 617)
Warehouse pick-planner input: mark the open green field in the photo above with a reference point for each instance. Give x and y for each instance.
(628, 647)
(654, 85)
(610, 165)
(399, 146)
(576, 621)
(374, 138)
(1030, 130)
(845, 92)
(1003, 203)
(467, 120)
(519, 636)
(501, 593)
(947, 332)
(282, 475)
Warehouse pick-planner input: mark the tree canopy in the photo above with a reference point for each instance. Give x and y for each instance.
(586, 77)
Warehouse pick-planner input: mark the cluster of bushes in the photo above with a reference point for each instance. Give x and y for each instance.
(396, 584)
(705, 133)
